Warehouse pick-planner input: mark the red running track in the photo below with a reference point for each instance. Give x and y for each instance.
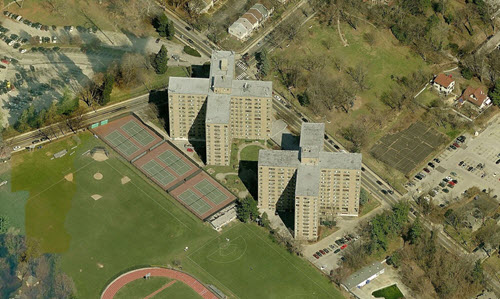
(123, 279)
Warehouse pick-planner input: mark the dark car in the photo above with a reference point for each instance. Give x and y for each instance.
(446, 190)
(338, 242)
(190, 41)
(337, 250)
(418, 177)
(383, 191)
(157, 40)
(316, 256)
(363, 169)
(461, 163)
(390, 192)
(453, 147)
(431, 164)
(498, 161)
(326, 250)
(35, 141)
(461, 138)
(336, 146)
(304, 120)
(427, 170)
(437, 160)
(456, 144)
(379, 182)
(322, 252)
(188, 28)
(318, 253)
(332, 246)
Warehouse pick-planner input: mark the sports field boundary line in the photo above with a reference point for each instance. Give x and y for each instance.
(327, 293)
(151, 198)
(212, 277)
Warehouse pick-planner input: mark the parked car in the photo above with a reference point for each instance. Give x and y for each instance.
(379, 182)
(35, 141)
(498, 161)
(453, 147)
(337, 250)
(461, 138)
(456, 145)
(332, 246)
(446, 190)
(16, 148)
(427, 170)
(390, 192)
(343, 246)
(326, 250)
(316, 256)
(431, 164)
(318, 253)
(461, 163)
(322, 252)
(437, 160)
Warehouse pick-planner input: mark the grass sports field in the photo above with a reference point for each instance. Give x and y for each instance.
(142, 288)
(135, 223)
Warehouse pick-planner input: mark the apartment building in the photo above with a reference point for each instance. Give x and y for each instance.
(219, 108)
(315, 184)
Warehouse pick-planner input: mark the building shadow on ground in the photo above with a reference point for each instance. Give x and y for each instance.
(247, 172)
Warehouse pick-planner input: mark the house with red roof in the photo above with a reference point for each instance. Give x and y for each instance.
(476, 96)
(444, 83)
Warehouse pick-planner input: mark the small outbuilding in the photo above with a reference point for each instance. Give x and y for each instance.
(363, 276)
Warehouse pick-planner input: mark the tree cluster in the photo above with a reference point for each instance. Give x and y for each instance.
(164, 26)
(21, 259)
(263, 64)
(246, 209)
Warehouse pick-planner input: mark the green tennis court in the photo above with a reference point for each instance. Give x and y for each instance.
(155, 171)
(175, 162)
(194, 202)
(137, 132)
(211, 192)
(121, 143)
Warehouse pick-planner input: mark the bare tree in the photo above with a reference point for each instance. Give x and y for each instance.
(360, 75)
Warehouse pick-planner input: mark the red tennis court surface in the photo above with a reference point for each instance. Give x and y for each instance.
(128, 136)
(124, 279)
(174, 167)
(203, 195)
(165, 165)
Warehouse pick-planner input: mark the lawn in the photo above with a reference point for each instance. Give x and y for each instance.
(250, 153)
(141, 288)
(391, 292)
(153, 81)
(369, 206)
(177, 290)
(12, 203)
(84, 13)
(133, 225)
(250, 259)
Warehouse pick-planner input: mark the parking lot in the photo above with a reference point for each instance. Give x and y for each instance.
(474, 163)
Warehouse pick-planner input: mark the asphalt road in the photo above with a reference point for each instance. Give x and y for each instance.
(134, 104)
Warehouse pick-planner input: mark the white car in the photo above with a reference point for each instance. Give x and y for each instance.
(23, 51)
(16, 148)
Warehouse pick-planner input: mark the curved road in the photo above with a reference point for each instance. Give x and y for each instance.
(124, 279)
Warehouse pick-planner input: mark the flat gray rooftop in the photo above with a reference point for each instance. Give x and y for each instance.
(307, 183)
(222, 69)
(218, 109)
(330, 160)
(182, 85)
(311, 134)
(362, 275)
(279, 158)
(250, 88)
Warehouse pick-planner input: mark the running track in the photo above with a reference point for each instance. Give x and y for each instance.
(123, 279)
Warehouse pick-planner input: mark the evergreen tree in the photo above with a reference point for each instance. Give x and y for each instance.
(415, 231)
(107, 88)
(477, 274)
(170, 30)
(263, 62)
(265, 221)
(160, 61)
(495, 93)
(161, 24)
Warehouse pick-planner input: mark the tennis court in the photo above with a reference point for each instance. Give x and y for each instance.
(193, 201)
(121, 143)
(138, 133)
(211, 192)
(175, 162)
(158, 173)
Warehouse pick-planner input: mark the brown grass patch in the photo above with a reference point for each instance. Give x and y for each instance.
(125, 180)
(69, 177)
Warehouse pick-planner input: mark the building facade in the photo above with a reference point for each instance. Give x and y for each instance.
(249, 21)
(219, 108)
(316, 185)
